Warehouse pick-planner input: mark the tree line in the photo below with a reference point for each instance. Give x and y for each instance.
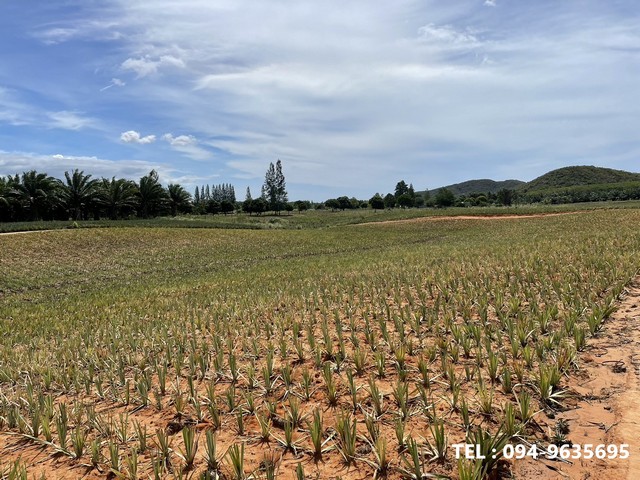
(38, 196)
(79, 196)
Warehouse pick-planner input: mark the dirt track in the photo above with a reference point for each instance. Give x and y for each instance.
(469, 217)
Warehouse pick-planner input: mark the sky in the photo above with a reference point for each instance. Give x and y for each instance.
(351, 95)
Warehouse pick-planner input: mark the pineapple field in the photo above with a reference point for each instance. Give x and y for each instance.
(354, 352)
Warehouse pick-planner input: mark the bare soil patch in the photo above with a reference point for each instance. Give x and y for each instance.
(470, 217)
(607, 389)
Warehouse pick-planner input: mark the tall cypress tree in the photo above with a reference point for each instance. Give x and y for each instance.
(281, 186)
(269, 193)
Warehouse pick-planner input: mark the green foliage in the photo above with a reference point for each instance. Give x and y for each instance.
(471, 187)
(444, 198)
(577, 176)
(152, 197)
(179, 199)
(118, 197)
(274, 189)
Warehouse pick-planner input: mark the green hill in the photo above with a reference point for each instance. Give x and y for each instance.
(479, 186)
(579, 176)
(564, 185)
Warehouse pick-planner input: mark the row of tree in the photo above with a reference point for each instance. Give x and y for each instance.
(38, 196)
(216, 199)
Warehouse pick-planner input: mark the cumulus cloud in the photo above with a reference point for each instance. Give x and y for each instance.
(144, 66)
(490, 3)
(180, 140)
(132, 136)
(188, 145)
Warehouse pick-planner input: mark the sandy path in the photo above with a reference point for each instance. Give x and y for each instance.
(608, 407)
(28, 231)
(470, 217)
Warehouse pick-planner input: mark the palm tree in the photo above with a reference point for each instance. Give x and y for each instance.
(117, 196)
(179, 199)
(36, 193)
(152, 196)
(78, 192)
(5, 198)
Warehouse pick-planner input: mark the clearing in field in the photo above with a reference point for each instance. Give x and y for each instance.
(348, 352)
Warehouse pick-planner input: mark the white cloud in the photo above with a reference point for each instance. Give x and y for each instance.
(180, 140)
(57, 35)
(68, 120)
(188, 145)
(57, 164)
(115, 82)
(131, 136)
(406, 89)
(146, 65)
(446, 36)
(82, 29)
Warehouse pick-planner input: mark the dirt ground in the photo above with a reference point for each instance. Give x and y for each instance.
(607, 401)
(468, 217)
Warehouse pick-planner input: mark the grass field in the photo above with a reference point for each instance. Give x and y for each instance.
(304, 352)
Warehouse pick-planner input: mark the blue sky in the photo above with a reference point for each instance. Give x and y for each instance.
(352, 96)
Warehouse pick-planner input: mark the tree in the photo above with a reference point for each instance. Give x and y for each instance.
(377, 202)
(78, 193)
(226, 207)
(179, 199)
(389, 200)
(302, 205)
(405, 200)
(152, 196)
(401, 188)
(444, 198)
(259, 205)
(6, 200)
(274, 190)
(505, 197)
(247, 205)
(332, 203)
(36, 193)
(212, 207)
(344, 203)
(119, 197)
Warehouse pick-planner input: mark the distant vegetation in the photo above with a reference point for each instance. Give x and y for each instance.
(564, 185)
(484, 185)
(579, 176)
(34, 196)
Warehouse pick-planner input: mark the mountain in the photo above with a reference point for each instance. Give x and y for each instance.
(479, 186)
(578, 177)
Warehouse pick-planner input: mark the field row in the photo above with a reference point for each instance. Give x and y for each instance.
(345, 352)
